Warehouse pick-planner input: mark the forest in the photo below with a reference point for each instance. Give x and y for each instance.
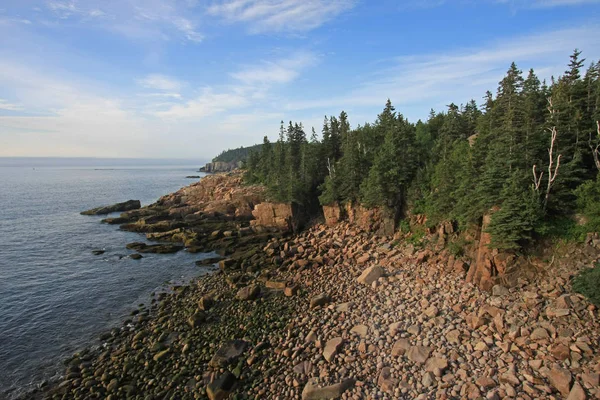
(529, 154)
(235, 155)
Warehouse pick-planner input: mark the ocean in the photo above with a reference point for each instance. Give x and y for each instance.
(56, 297)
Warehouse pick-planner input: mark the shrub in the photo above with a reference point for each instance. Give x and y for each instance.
(588, 201)
(587, 283)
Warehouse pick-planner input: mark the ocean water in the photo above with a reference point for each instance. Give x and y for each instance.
(56, 297)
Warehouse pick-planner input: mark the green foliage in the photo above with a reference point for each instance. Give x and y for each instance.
(404, 226)
(459, 164)
(562, 227)
(588, 201)
(457, 248)
(588, 284)
(236, 155)
(513, 224)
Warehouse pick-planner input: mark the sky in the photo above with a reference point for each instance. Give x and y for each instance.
(189, 78)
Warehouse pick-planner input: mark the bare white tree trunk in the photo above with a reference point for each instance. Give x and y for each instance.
(551, 174)
(596, 150)
(552, 168)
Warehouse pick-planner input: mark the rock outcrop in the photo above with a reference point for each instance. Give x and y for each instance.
(118, 207)
(380, 221)
(220, 166)
(281, 216)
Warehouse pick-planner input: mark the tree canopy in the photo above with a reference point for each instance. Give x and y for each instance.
(530, 151)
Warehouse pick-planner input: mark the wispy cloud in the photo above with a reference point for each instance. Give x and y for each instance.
(278, 71)
(159, 11)
(133, 18)
(415, 82)
(207, 104)
(14, 20)
(160, 82)
(280, 15)
(65, 9)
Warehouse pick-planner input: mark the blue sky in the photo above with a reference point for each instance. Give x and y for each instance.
(188, 78)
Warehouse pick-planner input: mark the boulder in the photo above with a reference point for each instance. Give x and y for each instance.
(228, 353)
(418, 354)
(278, 285)
(220, 388)
(205, 303)
(370, 275)
(290, 291)
(385, 381)
(313, 392)
(360, 330)
(125, 206)
(197, 319)
(436, 364)
(400, 347)
(331, 348)
(577, 392)
(319, 300)
(249, 292)
(561, 379)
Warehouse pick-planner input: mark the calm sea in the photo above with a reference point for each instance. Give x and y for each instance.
(56, 297)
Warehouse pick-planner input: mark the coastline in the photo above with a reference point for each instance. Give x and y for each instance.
(338, 312)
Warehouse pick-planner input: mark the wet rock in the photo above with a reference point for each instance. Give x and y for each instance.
(208, 261)
(154, 248)
(136, 256)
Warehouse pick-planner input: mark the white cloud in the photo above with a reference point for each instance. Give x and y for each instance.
(207, 104)
(160, 82)
(5, 105)
(281, 15)
(278, 71)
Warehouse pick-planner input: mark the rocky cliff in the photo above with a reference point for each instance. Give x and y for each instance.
(220, 166)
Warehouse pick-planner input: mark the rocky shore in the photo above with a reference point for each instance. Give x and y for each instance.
(334, 312)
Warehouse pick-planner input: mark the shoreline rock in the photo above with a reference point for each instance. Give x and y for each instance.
(124, 206)
(411, 327)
